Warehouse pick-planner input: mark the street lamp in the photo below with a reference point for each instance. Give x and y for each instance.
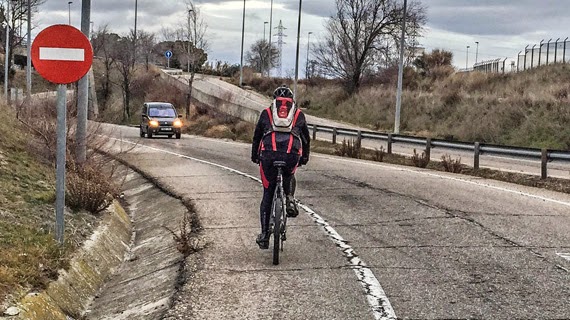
(297, 54)
(467, 60)
(400, 72)
(242, 38)
(308, 51)
(69, 10)
(190, 11)
(477, 52)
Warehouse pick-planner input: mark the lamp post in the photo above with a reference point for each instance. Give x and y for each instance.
(68, 10)
(29, 59)
(7, 53)
(190, 11)
(400, 72)
(135, 33)
(477, 52)
(297, 54)
(308, 51)
(241, 55)
(467, 59)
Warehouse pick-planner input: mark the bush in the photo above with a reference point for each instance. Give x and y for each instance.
(379, 154)
(88, 188)
(451, 165)
(351, 149)
(420, 160)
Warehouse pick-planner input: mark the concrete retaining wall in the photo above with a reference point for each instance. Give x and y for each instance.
(89, 269)
(224, 101)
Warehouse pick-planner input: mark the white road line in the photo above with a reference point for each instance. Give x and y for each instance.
(431, 174)
(62, 54)
(564, 255)
(377, 299)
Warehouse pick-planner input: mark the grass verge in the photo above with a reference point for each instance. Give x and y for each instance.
(554, 184)
(30, 256)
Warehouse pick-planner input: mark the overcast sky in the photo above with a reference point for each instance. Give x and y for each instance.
(502, 28)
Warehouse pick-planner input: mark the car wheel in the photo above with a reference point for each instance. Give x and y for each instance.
(149, 134)
(141, 132)
(178, 136)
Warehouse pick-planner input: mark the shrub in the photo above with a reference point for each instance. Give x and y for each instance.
(379, 154)
(186, 239)
(451, 165)
(351, 149)
(88, 188)
(420, 160)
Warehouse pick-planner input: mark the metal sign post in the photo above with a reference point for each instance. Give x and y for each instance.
(168, 55)
(60, 162)
(61, 54)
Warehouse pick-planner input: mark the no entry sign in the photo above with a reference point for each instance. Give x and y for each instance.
(62, 54)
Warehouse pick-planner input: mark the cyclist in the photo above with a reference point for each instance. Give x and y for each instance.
(281, 134)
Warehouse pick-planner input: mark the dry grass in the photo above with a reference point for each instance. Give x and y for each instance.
(420, 160)
(451, 165)
(559, 185)
(206, 122)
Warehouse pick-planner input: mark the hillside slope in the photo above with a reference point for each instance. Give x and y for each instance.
(530, 108)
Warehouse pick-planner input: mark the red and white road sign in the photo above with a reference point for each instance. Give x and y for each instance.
(62, 54)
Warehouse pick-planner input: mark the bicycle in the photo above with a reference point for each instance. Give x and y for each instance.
(278, 220)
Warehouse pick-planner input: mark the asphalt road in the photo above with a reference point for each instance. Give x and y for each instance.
(374, 241)
(258, 102)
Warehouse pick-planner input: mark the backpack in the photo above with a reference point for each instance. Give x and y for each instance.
(283, 112)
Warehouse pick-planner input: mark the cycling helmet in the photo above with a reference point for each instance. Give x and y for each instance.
(283, 91)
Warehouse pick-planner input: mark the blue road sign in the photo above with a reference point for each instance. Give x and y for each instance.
(168, 54)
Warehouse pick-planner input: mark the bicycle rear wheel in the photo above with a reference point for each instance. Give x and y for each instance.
(278, 209)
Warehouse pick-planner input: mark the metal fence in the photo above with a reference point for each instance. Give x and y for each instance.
(491, 66)
(544, 53)
(544, 155)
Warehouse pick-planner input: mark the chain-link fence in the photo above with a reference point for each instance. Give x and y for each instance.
(544, 53)
(491, 66)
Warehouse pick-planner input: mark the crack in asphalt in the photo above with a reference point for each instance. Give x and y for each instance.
(453, 213)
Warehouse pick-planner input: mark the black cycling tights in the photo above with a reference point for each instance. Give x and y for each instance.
(270, 173)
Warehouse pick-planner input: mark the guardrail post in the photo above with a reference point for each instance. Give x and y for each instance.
(544, 160)
(315, 132)
(359, 138)
(334, 136)
(389, 147)
(476, 156)
(428, 149)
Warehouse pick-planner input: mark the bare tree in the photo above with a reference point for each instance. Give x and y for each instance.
(17, 23)
(145, 46)
(104, 44)
(356, 37)
(124, 61)
(258, 56)
(196, 30)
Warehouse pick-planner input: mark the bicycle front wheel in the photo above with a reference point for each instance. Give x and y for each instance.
(278, 207)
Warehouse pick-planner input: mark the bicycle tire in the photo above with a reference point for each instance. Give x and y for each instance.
(278, 207)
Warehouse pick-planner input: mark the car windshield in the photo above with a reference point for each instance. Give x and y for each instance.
(162, 112)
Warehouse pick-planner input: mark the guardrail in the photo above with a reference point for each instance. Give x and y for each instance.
(545, 155)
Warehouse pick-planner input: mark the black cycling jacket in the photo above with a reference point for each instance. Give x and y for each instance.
(264, 130)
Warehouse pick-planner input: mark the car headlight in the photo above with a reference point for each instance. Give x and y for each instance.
(153, 123)
(177, 123)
